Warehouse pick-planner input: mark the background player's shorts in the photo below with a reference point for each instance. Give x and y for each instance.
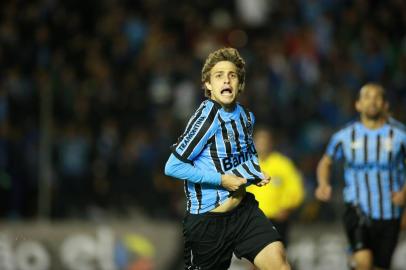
(211, 238)
(380, 236)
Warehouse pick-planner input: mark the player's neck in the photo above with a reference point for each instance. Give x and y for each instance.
(230, 108)
(373, 123)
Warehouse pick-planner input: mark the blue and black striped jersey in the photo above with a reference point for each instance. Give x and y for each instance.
(374, 165)
(217, 141)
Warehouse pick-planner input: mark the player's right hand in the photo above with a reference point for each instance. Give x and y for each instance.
(232, 182)
(323, 193)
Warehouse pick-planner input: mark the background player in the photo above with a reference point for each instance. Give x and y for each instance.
(374, 151)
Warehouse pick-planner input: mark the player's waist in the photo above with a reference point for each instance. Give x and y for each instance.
(232, 202)
(371, 215)
(372, 166)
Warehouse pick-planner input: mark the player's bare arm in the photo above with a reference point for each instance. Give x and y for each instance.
(399, 198)
(323, 190)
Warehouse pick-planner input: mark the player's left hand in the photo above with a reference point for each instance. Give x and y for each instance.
(264, 181)
(399, 198)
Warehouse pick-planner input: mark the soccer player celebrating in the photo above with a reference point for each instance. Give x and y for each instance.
(374, 152)
(216, 158)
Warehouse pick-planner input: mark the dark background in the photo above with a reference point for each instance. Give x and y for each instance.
(93, 93)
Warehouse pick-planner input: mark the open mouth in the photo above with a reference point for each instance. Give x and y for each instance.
(226, 91)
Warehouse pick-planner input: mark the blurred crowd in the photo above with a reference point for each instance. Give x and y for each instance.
(123, 77)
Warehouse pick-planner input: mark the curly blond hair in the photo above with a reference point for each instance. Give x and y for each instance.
(224, 54)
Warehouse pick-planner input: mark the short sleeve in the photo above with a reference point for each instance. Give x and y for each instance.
(335, 146)
(200, 128)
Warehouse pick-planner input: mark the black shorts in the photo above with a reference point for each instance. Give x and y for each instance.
(379, 236)
(212, 238)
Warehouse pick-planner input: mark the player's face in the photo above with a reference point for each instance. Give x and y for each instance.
(371, 103)
(224, 83)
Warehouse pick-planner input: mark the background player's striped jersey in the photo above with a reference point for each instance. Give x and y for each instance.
(374, 165)
(220, 141)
